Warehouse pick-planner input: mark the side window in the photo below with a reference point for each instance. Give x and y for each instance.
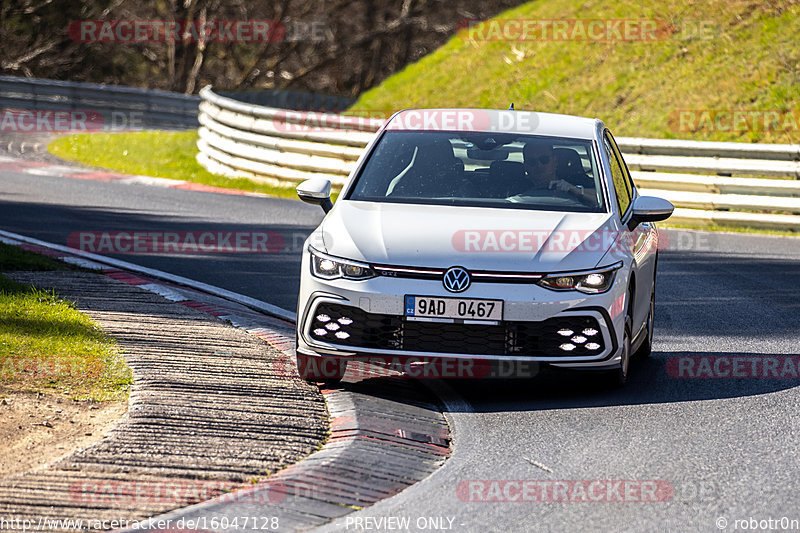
(622, 163)
(621, 184)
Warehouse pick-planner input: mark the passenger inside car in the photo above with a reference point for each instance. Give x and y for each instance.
(434, 172)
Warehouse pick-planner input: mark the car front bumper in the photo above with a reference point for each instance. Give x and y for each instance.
(373, 311)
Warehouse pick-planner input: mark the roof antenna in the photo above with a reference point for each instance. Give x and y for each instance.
(511, 107)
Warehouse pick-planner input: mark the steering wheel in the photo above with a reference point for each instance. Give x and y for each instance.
(588, 202)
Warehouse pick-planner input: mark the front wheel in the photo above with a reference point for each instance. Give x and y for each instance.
(646, 348)
(320, 369)
(619, 376)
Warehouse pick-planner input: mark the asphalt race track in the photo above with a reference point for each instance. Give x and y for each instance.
(706, 433)
(52, 208)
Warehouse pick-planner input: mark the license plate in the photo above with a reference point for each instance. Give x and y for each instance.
(453, 308)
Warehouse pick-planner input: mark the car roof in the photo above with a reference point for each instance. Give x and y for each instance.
(495, 120)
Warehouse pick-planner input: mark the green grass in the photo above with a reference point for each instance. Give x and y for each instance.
(746, 57)
(152, 153)
(45, 343)
(15, 258)
(731, 228)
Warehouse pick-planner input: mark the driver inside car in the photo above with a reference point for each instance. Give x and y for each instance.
(541, 171)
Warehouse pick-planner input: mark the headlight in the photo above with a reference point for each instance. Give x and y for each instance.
(595, 282)
(327, 267)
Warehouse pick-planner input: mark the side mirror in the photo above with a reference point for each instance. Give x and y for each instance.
(649, 209)
(316, 191)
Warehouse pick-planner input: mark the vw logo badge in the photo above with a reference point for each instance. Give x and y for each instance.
(456, 279)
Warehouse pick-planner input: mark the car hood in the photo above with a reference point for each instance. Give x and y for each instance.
(476, 238)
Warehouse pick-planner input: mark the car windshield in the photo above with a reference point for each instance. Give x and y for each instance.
(482, 169)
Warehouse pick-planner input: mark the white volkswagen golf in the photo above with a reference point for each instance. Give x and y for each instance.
(468, 234)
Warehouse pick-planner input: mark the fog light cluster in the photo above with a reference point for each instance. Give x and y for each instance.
(589, 332)
(579, 339)
(324, 324)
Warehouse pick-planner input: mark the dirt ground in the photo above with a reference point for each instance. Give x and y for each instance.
(37, 429)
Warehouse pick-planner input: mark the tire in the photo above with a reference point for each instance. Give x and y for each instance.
(646, 348)
(320, 369)
(619, 376)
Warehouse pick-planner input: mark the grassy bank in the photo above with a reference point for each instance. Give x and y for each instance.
(152, 153)
(716, 56)
(45, 343)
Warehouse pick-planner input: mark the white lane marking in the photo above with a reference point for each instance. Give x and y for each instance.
(81, 262)
(149, 180)
(54, 170)
(166, 292)
(247, 301)
(62, 171)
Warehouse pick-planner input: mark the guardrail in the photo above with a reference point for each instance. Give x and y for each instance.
(275, 145)
(119, 107)
(283, 148)
(289, 99)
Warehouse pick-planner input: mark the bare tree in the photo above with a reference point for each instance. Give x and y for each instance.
(341, 47)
